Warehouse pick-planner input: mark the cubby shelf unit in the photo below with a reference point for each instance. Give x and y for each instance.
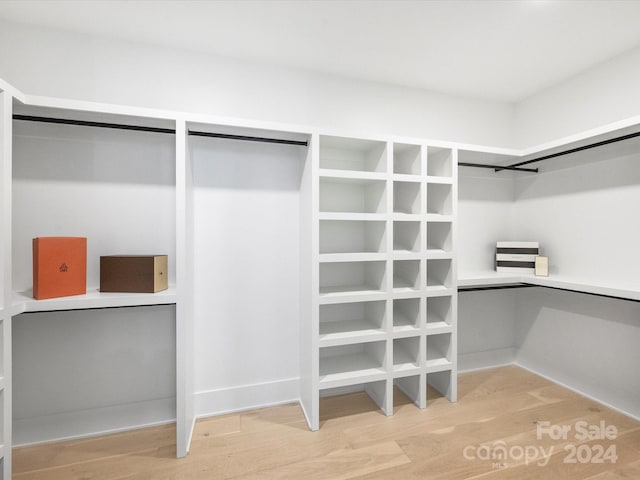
(381, 218)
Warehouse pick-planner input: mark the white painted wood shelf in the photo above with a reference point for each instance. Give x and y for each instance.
(598, 287)
(24, 301)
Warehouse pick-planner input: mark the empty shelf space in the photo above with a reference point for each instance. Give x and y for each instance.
(406, 315)
(406, 237)
(406, 275)
(439, 352)
(407, 159)
(406, 354)
(439, 162)
(347, 236)
(351, 364)
(406, 197)
(342, 153)
(351, 322)
(352, 196)
(439, 274)
(439, 199)
(439, 238)
(352, 278)
(439, 312)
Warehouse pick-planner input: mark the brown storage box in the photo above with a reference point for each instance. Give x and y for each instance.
(133, 273)
(59, 267)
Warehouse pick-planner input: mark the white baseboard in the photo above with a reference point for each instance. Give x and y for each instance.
(484, 360)
(246, 397)
(93, 422)
(578, 391)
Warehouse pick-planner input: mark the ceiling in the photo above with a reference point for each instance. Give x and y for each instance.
(499, 50)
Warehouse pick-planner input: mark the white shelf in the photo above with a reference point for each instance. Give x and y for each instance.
(629, 291)
(351, 257)
(351, 369)
(438, 364)
(347, 332)
(24, 301)
(438, 254)
(436, 217)
(438, 291)
(352, 216)
(435, 328)
(351, 174)
(403, 361)
(403, 177)
(441, 180)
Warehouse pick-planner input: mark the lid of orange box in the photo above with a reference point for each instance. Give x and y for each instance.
(59, 266)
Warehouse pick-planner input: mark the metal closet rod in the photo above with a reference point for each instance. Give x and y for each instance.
(142, 128)
(572, 150)
(529, 285)
(495, 167)
(247, 138)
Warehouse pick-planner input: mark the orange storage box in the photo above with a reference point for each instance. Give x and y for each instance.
(59, 267)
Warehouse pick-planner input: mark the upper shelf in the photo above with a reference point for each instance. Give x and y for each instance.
(482, 279)
(24, 302)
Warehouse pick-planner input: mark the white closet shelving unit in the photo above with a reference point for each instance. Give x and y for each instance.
(135, 201)
(377, 282)
(383, 291)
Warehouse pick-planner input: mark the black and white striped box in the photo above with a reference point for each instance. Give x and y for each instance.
(516, 257)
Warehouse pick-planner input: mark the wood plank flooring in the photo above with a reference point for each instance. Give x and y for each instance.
(494, 432)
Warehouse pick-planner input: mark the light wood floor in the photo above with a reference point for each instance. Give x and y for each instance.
(499, 407)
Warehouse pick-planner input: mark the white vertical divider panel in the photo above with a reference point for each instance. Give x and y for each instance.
(185, 416)
(309, 286)
(453, 384)
(6, 113)
(421, 401)
(386, 402)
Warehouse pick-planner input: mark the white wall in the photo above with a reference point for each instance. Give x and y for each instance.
(601, 95)
(586, 216)
(485, 214)
(247, 273)
(47, 62)
(587, 343)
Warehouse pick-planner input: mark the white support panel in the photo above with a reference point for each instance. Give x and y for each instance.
(6, 391)
(185, 364)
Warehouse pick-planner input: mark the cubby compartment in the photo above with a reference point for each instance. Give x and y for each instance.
(352, 364)
(339, 153)
(409, 385)
(406, 354)
(352, 277)
(439, 350)
(406, 159)
(441, 384)
(344, 323)
(439, 313)
(352, 236)
(406, 237)
(439, 162)
(352, 195)
(406, 197)
(406, 275)
(406, 315)
(439, 237)
(439, 199)
(439, 274)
